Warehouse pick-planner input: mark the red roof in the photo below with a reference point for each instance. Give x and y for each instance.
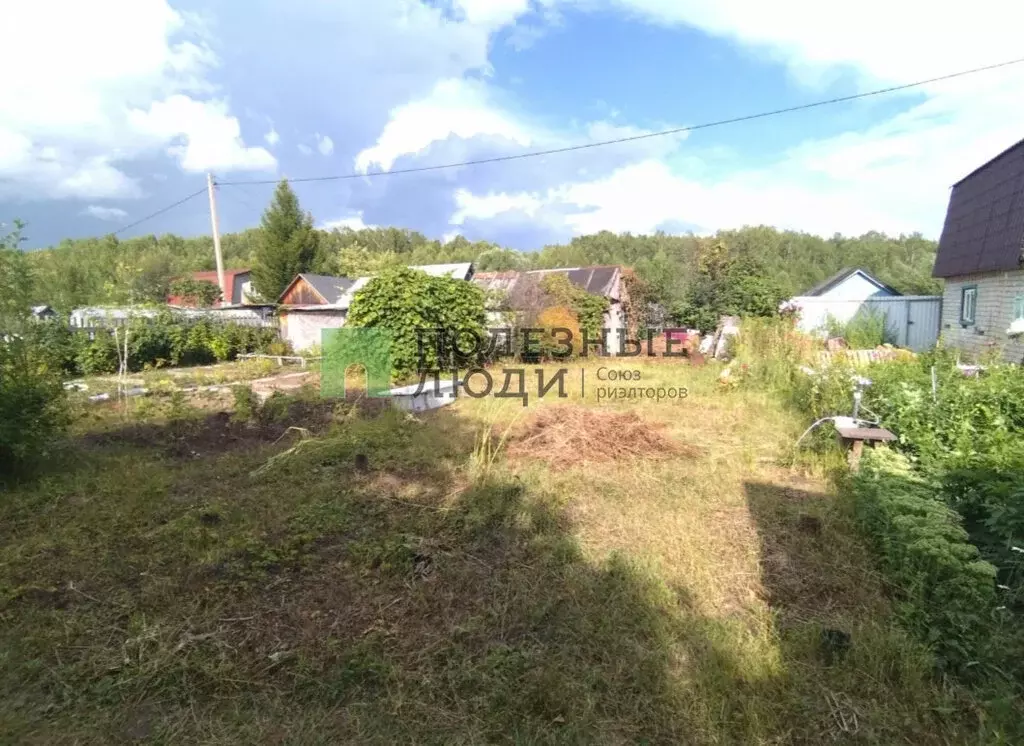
(211, 277)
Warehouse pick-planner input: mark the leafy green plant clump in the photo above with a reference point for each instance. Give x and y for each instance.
(32, 407)
(32, 402)
(727, 286)
(410, 305)
(588, 307)
(152, 343)
(864, 331)
(946, 592)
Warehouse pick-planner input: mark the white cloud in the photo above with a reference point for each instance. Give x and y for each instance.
(105, 213)
(353, 222)
(485, 207)
(305, 149)
(455, 108)
(99, 84)
(271, 137)
(324, 144)
(917, 39)
(492, 13)
(892, 176)
(205, 136)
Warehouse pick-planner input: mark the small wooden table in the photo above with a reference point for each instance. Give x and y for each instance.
(854, 438)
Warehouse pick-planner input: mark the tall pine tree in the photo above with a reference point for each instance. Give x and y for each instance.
(286, 244)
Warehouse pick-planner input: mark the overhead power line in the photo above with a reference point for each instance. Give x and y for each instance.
(590, 145)
(645, 136)
(161, 211)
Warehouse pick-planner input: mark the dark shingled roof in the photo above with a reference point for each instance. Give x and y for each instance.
(825, 285)
(331, 288)
(984, 229)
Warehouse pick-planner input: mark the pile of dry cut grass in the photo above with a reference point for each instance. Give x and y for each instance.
(569, 436)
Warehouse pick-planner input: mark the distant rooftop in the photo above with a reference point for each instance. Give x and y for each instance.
(596, 280)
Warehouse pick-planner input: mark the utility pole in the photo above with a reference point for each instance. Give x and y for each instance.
(224, 294)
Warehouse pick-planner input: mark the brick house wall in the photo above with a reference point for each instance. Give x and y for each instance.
(997, 294)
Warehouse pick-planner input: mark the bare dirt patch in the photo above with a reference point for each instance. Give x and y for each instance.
(570, 436)
(216, 433)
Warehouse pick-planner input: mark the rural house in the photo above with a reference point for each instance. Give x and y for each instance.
(312, 303)
(237, 281)
(980, 258)
(911, 320)
(518, 287)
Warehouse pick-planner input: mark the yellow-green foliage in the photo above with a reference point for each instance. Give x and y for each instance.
(772, 349)
(559, 317)
(588, 308)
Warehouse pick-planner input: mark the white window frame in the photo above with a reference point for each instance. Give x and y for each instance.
(968, 302)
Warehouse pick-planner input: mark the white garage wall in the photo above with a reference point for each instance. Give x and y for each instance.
(302, 328)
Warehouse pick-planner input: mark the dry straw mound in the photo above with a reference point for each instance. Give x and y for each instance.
(568, 436)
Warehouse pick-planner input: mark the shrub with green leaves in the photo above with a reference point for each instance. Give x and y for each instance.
(410, 305)
(53, 344)
(945, 591)
(864, 331)
(727, 286)
(32, 406)
(152, 343)
(588, 307)
(963, 417)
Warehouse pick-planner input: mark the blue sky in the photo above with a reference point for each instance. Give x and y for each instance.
(121, 106)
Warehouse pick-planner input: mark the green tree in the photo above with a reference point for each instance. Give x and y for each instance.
(15, 280)
(199, 293)
(107, 270)
(286, 246)
(727, 286)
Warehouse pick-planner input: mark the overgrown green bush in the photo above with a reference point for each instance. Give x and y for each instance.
(32, 406)
(987, 490)
(95, 356)
(945, 591)
(410, 305)
(53, 344)
(773, 351)
(963, 417)
(588, 307)
(246, 403)
(727, 286)
(152, 343)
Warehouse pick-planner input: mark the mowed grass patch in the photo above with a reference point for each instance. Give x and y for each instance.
(391, 579)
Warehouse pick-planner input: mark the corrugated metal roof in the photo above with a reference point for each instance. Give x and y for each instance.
(458, 271)
(984, 228)
(596, 280)
(330, 287)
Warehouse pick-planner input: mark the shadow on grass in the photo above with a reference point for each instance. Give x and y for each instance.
(862, 679)
(361, 588)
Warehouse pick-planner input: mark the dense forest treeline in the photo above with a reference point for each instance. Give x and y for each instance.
(101, 271)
